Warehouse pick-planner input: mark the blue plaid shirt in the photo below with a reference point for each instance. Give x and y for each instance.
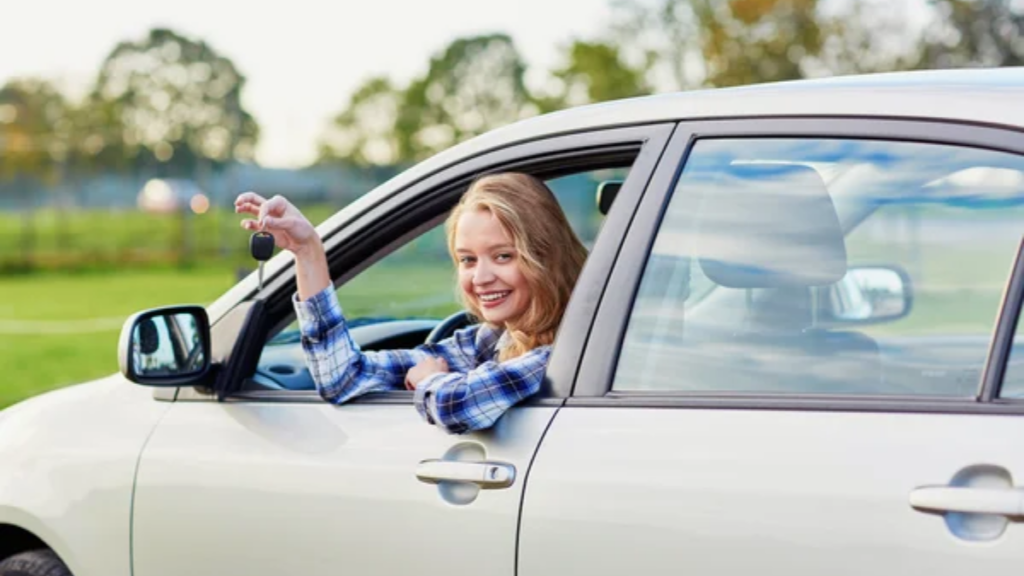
(472, 396)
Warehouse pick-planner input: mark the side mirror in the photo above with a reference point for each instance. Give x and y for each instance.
(166, 346)
(867, 295)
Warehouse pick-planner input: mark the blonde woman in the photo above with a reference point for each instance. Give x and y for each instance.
(517, 260)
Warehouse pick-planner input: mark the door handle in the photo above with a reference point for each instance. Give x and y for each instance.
(1001, 501)
(489, 475)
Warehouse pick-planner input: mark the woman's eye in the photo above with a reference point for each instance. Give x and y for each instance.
(503, 257)
(465, 259)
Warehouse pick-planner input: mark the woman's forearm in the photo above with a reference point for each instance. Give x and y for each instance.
(312, 274)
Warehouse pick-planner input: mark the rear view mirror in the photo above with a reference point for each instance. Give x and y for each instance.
(867, 295)
(166, 346)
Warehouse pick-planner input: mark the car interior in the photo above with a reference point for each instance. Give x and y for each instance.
(764, 308)
(792, 243)
(282, 365)
(757, 303)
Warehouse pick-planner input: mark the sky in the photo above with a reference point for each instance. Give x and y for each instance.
(302, 58)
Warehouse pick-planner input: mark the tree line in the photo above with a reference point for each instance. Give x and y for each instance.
(171, 104)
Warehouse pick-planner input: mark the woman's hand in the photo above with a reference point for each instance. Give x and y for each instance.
(422, 370)
(291, 230)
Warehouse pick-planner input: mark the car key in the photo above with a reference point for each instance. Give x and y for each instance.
(261, 245)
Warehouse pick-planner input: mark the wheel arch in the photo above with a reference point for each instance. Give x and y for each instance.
(15, 540)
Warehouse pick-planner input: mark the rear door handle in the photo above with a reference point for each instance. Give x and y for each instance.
(1001, 501)
(489, 475)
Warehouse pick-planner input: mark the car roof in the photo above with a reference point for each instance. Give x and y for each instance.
(990, 96)
(987, 96)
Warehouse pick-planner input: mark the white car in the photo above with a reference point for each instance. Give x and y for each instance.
(791, 351)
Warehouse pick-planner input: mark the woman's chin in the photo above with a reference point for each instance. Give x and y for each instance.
(492, 318)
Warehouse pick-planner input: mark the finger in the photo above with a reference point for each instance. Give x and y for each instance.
(249, 198)
(274, 208)
(272, 224)
(247, 208)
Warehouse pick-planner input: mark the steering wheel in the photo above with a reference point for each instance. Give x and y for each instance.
(448, 326)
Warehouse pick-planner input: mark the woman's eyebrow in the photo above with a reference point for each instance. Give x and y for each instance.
(502, 246)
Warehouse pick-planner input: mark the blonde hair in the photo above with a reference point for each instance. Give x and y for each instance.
(550, 255)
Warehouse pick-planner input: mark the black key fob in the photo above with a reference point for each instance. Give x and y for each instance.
(261, 245)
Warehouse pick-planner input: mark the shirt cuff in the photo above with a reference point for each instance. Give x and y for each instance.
(421, 398)
(319, 313)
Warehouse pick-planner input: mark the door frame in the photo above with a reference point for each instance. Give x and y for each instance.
(600, 358)
(371, 235)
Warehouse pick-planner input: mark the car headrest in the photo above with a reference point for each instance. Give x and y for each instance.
(606, 192)
(149, 338)
(767, 226)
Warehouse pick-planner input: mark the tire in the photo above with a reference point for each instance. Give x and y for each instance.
(34, 563)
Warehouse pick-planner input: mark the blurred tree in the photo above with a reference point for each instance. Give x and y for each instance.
(364, 133)
(724, 43)
(594, 71)
(474, 85)
(865, 36)
(974, 33)
(736, 42)
(100, 137)
(36, 132)
(175, 100)
(35, 129)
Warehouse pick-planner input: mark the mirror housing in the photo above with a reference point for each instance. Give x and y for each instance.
(167, 346)
(866, 295)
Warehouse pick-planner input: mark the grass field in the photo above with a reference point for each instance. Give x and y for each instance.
(58, 329)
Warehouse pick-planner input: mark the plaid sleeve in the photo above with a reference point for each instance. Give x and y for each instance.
(341, 371)
(462, 402)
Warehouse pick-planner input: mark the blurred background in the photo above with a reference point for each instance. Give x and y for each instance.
(127, 128)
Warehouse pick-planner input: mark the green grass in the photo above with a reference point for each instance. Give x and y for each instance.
(32, 363)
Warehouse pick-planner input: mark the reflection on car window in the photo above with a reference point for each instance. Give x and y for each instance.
(826, 266)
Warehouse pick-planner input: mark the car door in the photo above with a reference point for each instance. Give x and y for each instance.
(731, 417)
(273, 480)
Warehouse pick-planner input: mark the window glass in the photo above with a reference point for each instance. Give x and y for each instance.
(826, 266)
(418, 279)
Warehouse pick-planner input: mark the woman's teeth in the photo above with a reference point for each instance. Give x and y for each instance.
(493, 296)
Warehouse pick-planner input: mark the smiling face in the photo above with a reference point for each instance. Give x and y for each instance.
(489, 270)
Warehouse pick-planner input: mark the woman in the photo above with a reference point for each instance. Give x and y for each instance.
(517, 260)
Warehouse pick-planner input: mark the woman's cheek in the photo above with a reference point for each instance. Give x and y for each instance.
(466, 284)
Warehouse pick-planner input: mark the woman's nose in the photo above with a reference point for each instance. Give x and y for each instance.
(482, 274)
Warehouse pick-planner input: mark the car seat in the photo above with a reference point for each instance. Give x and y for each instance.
(772, 231)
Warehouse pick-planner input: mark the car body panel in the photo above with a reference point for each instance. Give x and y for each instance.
(67, 468)
(669, 491)
(727, 482)
(311, 488)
